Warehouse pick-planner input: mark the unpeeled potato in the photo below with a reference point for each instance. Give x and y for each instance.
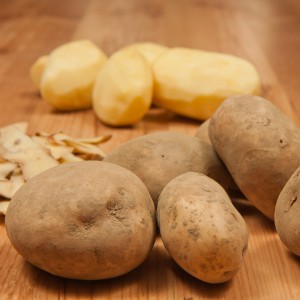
(123, 89)
(84, 220)
(287, 212)
(259, 145)
(201, 229)
(194, 83)
(69, 75)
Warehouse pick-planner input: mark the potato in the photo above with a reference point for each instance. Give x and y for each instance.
(259, 145)
(150, 51)
(37, 70)
(202, 132)
(287, 214)
(201, 229)
(84, 220)
(159, 157)
(194, 83)
(69, 75)
(123, 89)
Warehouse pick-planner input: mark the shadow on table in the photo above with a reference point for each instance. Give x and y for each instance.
(253, 215)
(158, 115)
(157, 277)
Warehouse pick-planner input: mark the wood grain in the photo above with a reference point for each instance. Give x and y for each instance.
(265, 32)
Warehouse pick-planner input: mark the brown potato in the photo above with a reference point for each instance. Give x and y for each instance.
(201, 229)
(203, 135)
(202, 132)
(159, 157)
(259, 145)
(83, 220)
(287, 214)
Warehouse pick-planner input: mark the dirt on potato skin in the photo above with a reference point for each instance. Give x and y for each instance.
(259, 145)
(79, 216)
(201, 229)
(159, 157)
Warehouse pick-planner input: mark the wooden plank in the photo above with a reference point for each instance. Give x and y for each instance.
(265, 32)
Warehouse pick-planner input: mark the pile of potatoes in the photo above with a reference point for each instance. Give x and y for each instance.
(121, 88)
(80, 215)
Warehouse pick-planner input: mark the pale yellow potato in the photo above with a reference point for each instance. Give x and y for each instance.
(37, 70)
(194, 83)
(123, 89)
(70, 73)
(150, 51)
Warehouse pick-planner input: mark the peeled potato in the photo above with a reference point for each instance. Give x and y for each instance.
(150, 51)
(37, 70)
(194, 83)
(69, 75)
(123, 89)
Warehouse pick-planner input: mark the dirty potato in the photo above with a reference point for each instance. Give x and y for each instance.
(287, 214)
(86, 220)
(150, 51)
(259, 145)
(201, 229)
(159, 157)
(202, 132)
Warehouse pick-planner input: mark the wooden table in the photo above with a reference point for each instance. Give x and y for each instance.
(265, 32)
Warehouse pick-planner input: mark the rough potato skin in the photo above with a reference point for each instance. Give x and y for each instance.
(202, 132)
(159, 157)
(259, 145)
(201, 229)
(287, 214)
(83, 220)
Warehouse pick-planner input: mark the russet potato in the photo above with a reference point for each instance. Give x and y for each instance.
(287, 214)
(84, 220)
(259, 145)
(201, 229)
(159, 157)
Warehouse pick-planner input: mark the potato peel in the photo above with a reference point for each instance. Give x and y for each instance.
(23, 156)
(8, 187)
(7, 168)
(17, 147)
(3, 207)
